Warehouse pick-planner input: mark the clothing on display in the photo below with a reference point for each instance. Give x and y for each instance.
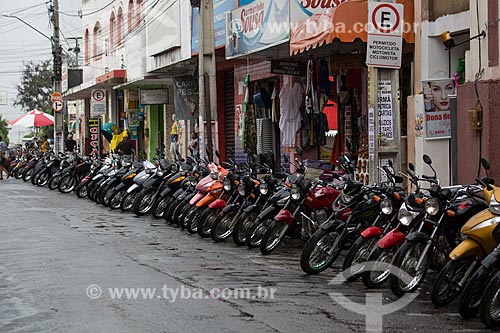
(291, 99)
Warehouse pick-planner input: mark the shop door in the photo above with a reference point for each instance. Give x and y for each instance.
(229, 114)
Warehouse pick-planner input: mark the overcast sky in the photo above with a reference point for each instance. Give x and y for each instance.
(19, 43)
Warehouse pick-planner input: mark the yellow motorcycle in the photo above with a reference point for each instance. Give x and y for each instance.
(478, 242)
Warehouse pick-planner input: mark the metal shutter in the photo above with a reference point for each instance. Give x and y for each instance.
(229, 114)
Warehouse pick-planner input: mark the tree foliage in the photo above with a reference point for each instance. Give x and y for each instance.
(4, 132)
(33, 92)
(35, 87)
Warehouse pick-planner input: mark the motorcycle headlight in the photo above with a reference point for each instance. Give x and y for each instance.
(264, 189)
(241, 190)
(386, 206)
(227, 185)
(432, 206)
(345, 199)
(405, 216)
(295, 194)
(193, 181)
(494, 205)
(160, 173)
(213, 174)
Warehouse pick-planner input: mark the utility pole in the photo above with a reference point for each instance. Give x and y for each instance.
(206, 66)
(56, 52)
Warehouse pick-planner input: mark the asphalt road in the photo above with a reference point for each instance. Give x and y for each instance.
(61, 257)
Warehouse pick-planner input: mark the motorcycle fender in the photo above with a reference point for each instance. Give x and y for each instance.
(249, 209)
(392, 238)
(217, 204)
(206, 200)
(468, 248)
(198, 196)
(371, 232)
(120, 186)
(134, 188)
(165, 192)
(284, 216)
(152, 181)
(418, 236)
(266, 212)
(492, 260)
(230, 208)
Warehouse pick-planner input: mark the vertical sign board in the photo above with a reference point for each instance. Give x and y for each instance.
(385, 35)
(384, 106)
(95, 137)
(437, 94)
(98, 102)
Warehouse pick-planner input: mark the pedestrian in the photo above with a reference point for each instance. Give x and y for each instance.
(4, 158)
(194, 141)
(45, 144)
(70, 143)
(124, 148)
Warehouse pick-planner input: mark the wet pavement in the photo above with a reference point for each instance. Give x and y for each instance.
(61, 257)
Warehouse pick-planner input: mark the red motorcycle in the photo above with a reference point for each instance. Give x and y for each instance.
(307, 207)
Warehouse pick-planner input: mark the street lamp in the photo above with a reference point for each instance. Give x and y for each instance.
(29, 25)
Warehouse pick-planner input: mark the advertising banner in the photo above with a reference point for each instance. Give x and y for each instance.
(257, 26)
(385, 123)
(437, 107)
(94, 136)
(185, 98)
(221, 7)
(303, 9)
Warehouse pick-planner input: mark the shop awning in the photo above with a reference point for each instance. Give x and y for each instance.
(345, 22)
(104, 81)
(146, 82)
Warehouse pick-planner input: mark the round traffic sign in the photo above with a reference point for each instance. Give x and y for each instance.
(98, 95)
(57, 106)
(56, 96)
(385, 18)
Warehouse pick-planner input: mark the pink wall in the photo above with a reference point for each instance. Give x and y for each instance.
(468, 139)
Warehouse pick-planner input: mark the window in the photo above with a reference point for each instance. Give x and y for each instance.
(119, 27)
(112, 26)
(97, 47)
(131, 15)
(138, 12)
(86, 46)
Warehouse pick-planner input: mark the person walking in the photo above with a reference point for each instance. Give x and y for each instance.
(45, 144)
(70, 144)
(4, 158)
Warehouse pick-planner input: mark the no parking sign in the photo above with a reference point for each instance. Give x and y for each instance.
(98, 102)
(385, 38)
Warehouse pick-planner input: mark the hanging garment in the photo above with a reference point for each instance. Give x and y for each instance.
(331, 112)
(291, 99)
(250, 144)
(274, 112)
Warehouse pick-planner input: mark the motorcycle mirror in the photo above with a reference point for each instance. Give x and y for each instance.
(427, 159)
(485, 164)
(298, 150)
(411, 166)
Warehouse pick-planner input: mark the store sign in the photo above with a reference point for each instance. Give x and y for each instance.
(303, 9)
(346, 61)
(154, 96)
(437, 107)
(384, 104)
(98, 102)
(385, 35)
(257, 26)
(288, 67)
(94, 136)
(185, 98)
(371, 133)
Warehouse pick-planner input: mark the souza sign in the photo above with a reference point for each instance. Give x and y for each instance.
(303, 9)
(257, 26)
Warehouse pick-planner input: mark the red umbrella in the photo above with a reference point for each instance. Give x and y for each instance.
(34, 118)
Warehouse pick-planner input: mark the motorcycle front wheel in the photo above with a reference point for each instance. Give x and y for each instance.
(358, 254)
(468, 306)
(223, 226)
(256, 232)
(42, 178)
(128, 201)
(81, 191)
(406, 260)
(158, 210)
(54, 182)
(381, 271)
(489, 308)
(67, 184)
(243, 223)
(144, 201)
(447, 285)
(207, 221)
(273, 237)
(321, 250)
